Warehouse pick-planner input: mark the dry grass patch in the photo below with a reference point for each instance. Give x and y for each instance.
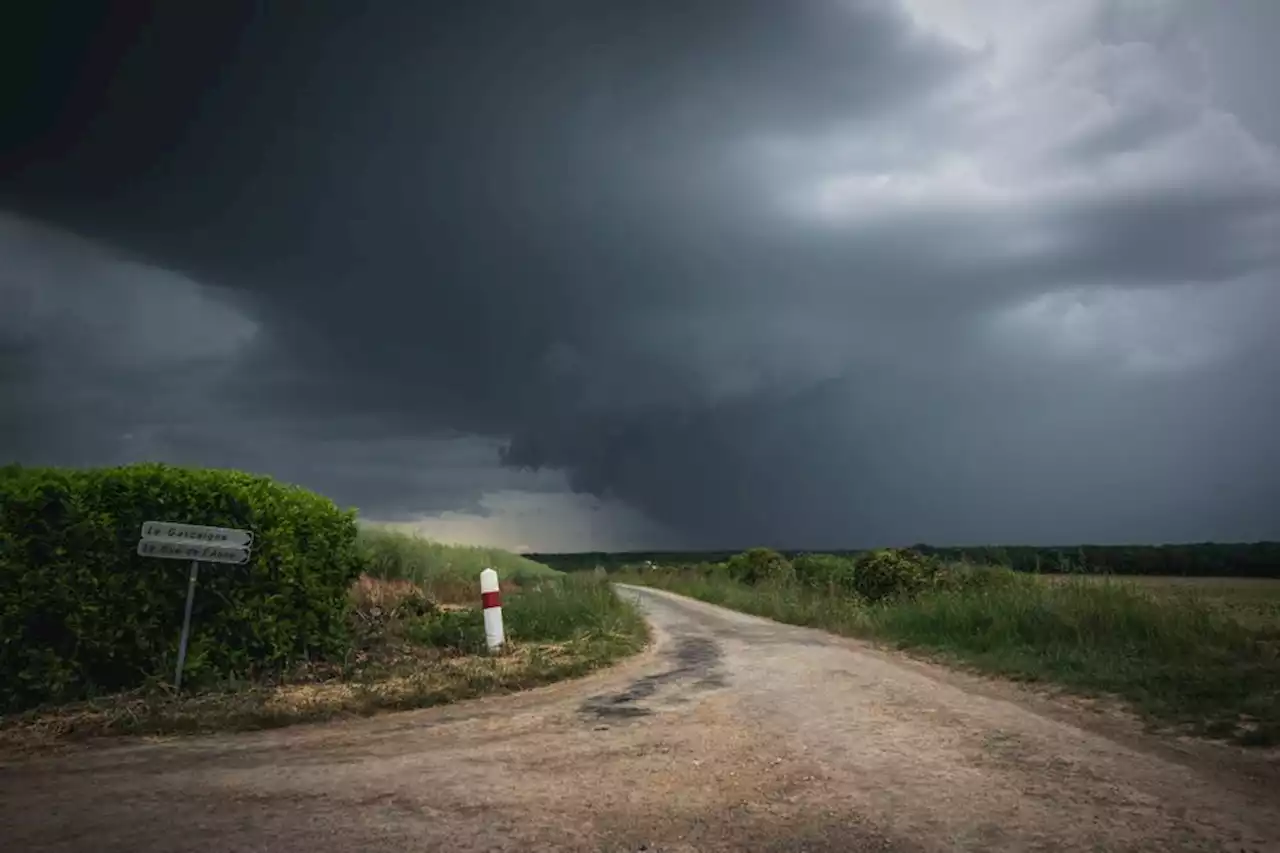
(435, 680)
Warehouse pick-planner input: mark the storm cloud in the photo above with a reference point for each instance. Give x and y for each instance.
(812, 274)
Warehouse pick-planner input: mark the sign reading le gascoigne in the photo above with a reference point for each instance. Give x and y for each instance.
(196, 533)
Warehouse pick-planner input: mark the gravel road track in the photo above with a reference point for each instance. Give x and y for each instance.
(729, 733)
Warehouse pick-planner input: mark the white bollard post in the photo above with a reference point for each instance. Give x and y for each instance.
(492, 609)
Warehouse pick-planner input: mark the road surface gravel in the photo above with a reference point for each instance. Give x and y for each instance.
(729, 733)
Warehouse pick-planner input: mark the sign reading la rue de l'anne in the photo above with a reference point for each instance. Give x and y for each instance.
(167, 549)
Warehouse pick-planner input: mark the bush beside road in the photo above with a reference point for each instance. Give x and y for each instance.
(82, 613)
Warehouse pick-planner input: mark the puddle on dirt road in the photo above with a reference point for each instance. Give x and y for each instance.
(698, 667)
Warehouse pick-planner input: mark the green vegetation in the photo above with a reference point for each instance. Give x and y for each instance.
(1206, 559)
(447, 572)
(884, 575)
(1205, 659)
(559, 610)
(407, 652)
(760, 565)
(825, 571)
(327, 618)
(1253, 601)
(82, 614)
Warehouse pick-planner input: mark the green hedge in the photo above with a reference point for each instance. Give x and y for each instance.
(81, 613)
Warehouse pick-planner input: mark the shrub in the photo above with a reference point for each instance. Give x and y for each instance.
(823, 571)
(892, 573)
(81, 613)
(760, 565)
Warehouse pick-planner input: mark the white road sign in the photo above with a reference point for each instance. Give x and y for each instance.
(169, 549)
(171, 540)
(197, 533)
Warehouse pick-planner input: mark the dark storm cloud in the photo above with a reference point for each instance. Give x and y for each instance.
(811, 273)
(108, 360)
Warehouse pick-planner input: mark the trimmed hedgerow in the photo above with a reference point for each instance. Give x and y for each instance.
(82, 614)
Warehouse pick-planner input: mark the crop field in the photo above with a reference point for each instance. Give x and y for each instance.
(1254, 601)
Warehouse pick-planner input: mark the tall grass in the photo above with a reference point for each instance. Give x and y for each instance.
(570, 608)
(539, 604)
(573, 609)
(447, 572)
(1179, 658)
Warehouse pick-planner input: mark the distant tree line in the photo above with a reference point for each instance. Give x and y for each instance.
(610, 560)
(1204, 559)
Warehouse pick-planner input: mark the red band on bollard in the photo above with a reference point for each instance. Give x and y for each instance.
(489, 599)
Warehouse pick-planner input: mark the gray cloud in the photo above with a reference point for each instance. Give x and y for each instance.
(109, 360)
(828, 273)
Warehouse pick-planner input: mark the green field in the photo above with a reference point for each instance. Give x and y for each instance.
(1254, 601)
(1198, 655)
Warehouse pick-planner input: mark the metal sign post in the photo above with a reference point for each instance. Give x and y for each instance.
(197, 543)
(186, 624)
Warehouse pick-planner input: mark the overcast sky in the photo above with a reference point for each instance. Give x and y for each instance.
(585, 275)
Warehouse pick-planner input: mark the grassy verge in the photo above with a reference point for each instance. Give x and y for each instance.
(408, 651)
(446, 572)
(1179, 656)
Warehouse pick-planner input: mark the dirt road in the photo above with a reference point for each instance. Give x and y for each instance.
(731, 733)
